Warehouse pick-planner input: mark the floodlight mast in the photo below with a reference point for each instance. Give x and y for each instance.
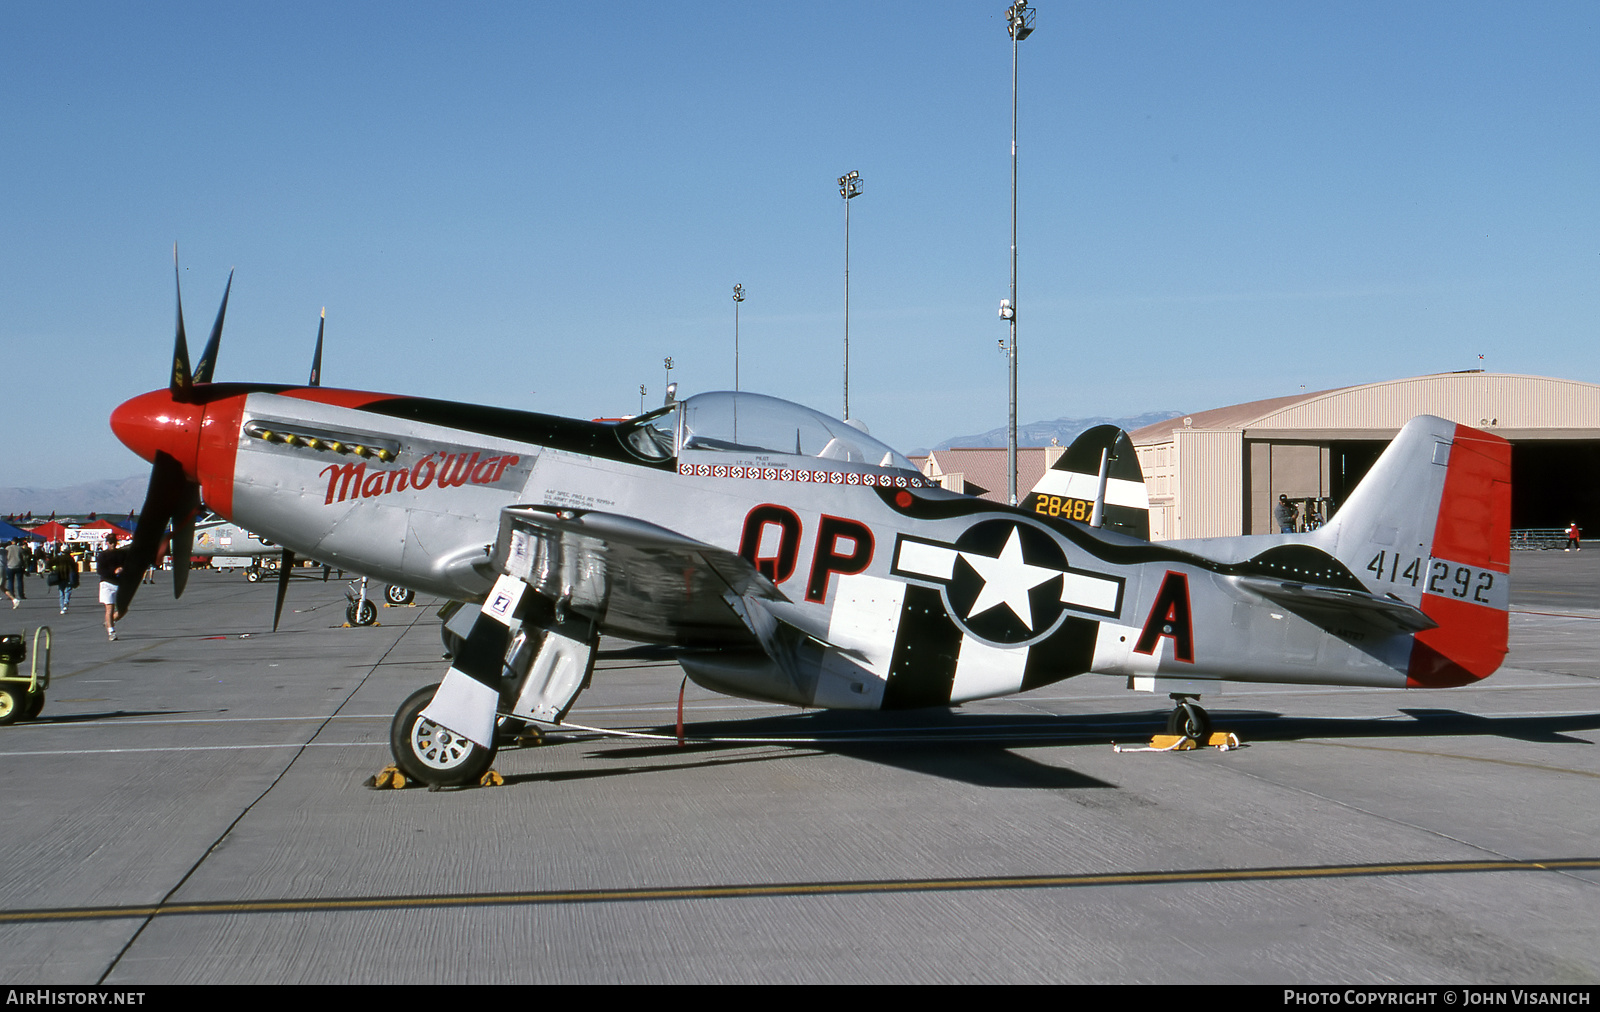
(849, 187)
(1019, 24)
(738, 297)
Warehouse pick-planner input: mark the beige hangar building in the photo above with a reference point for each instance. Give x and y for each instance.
(1217, 473)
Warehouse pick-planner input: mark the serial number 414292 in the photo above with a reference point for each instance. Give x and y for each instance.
(1437, 576)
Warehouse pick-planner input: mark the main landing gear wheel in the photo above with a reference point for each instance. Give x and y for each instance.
(427, 752)
(1190, 721)
(367, 615)
(398, 595)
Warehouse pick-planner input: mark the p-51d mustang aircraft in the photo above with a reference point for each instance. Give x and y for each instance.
(787, 556)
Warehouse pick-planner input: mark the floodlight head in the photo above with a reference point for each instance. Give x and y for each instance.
(1019, 20)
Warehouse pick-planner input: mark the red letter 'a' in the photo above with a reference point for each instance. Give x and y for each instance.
(1169, 617)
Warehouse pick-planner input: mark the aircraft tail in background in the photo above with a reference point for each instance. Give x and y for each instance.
(1098, 482)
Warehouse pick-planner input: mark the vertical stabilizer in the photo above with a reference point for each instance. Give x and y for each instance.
(1430, 524)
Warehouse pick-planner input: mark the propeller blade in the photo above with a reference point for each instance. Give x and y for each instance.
(160, 503)
(208, 357)
(183, 537)
(316, 359)
(283, 586)
(180, 347)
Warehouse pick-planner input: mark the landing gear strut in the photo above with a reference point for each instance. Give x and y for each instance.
(1189, 720)
(359, 611)
(517, 664)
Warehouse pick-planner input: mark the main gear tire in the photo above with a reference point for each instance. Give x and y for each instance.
(1191, 721)
(397, 595)
(428, 753)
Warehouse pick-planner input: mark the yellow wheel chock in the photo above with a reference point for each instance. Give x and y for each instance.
(1223, 741)
(388, 778)
(391, 779)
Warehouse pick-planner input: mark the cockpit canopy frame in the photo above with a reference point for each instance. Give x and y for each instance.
(751, 427)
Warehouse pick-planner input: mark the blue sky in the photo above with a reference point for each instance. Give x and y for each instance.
(531, 204)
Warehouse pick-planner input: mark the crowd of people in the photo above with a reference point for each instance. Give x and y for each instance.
(61, 564)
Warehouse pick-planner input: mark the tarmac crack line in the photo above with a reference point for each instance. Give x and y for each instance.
(148, 914)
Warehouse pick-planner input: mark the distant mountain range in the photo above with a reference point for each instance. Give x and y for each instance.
(110, 498)
(1062, 430)
(114, 497)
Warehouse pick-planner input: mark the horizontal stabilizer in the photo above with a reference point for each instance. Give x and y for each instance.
(1336, 608)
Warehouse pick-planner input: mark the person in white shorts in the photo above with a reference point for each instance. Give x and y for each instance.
(107, 566)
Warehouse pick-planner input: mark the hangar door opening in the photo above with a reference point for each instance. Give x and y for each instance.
(1553, 482)
(1349, 460)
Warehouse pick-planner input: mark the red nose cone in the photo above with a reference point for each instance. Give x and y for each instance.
(154, 421)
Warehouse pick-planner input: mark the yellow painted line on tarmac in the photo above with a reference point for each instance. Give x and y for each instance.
(844, 888)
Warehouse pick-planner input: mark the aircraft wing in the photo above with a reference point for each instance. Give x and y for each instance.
(1337, 608)
(643, 580)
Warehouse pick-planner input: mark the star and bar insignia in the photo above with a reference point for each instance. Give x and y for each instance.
(1006, 582)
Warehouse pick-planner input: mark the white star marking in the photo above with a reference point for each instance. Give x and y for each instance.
(1007, 580)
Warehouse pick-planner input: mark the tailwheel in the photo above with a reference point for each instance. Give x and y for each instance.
(1190, 721)
(427, 752)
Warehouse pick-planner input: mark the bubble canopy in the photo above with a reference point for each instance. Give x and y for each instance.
(746, 423)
